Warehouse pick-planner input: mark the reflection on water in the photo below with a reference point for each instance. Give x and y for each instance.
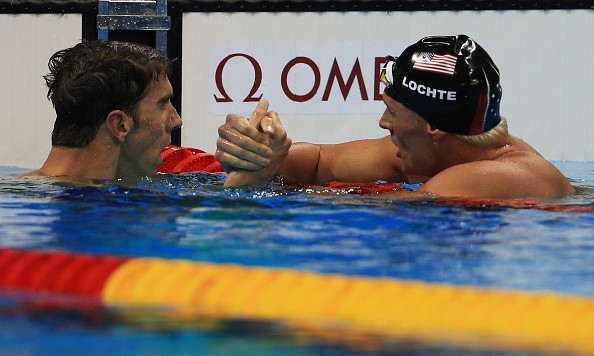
(192, 216)
(507, 245)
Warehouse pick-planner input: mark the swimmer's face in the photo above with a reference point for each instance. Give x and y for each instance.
(410, 133)
(156, 119)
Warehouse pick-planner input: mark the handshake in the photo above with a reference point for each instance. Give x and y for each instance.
(252, 150)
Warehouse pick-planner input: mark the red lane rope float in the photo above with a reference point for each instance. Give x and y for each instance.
(354, 188)
(186, 159)
(334, 307)
(518, 204)
(366, 188)
(57, 272)
(382, 187)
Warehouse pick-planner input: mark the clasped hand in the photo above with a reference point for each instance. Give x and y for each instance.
(251, 150)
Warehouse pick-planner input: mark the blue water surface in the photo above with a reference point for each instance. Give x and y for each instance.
(192, 216)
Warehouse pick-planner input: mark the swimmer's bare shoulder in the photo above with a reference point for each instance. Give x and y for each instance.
(35, 173)
(520, 174)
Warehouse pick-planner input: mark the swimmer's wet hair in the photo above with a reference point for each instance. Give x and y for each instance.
(91, 79)
(487, 137)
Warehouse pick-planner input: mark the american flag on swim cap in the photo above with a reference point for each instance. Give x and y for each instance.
(435, 63)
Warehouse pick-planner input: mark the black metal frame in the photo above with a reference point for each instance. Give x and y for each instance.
(175, 6)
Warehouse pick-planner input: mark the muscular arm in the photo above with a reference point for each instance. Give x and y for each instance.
(242, 146)
(354, 161)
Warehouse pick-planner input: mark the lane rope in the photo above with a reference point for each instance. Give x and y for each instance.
(335, 307)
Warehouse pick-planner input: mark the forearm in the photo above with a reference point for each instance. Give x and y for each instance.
(354, 161)
(238, 178)
(301, 164)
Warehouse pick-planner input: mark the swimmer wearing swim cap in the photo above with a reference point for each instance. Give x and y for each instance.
(449, 81)
(442, 102)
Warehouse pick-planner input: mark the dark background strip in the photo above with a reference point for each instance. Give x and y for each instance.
(90, 6)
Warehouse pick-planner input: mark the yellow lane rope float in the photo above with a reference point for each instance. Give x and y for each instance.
(336, 308)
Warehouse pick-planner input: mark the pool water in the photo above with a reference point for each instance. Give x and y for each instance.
(529, 247)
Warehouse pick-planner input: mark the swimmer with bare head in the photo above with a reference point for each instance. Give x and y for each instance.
(113, 111)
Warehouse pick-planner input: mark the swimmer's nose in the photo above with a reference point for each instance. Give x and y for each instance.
(384, 123)
(176, 121)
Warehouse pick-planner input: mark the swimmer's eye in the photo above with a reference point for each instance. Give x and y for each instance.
(163, 104)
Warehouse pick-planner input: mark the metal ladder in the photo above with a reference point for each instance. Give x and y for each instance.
(146, 15)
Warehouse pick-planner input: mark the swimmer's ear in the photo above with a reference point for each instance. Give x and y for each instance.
(119, 124)
(436, 134)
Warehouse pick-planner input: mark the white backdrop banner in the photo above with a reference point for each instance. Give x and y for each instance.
(325, 78)
(319, 71)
